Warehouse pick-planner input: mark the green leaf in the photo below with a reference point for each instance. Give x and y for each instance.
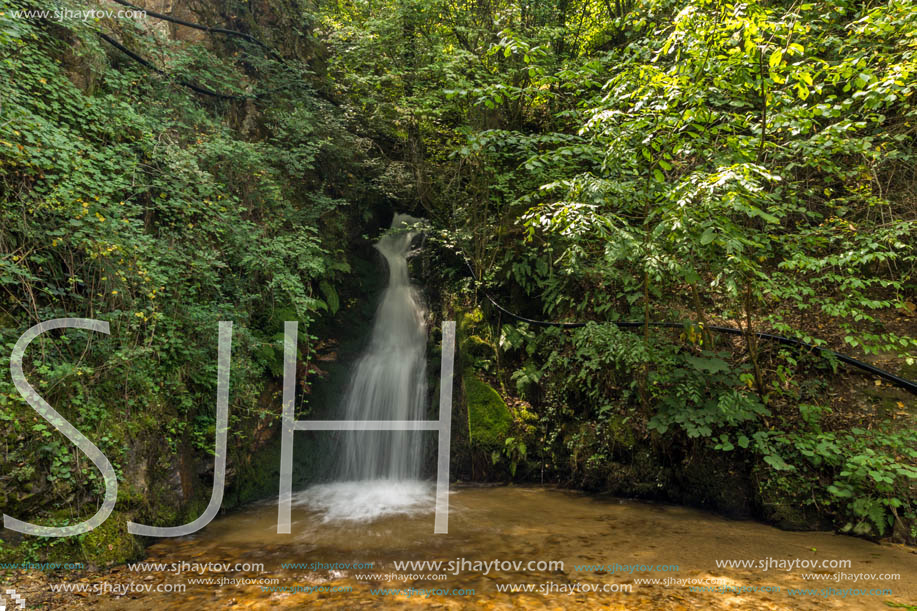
(840, 492)
(331, 296)
(778, 463)
(775, 58)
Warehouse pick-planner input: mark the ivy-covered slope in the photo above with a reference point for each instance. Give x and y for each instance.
(129, 198)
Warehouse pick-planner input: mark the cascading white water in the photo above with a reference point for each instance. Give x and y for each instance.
(378, 471)
(389, 382)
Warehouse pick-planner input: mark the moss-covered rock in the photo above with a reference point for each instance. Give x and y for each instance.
(110, 543)
(621, 432)
(477, 347)
(489, 419)
(469, 319)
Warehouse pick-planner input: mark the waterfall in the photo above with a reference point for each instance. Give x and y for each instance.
(377, 472)
(389, 381)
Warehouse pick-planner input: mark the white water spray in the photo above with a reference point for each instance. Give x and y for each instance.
(378, 472)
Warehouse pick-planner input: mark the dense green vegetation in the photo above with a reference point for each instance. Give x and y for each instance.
(750, 165)
(744, 164)
(130, 199)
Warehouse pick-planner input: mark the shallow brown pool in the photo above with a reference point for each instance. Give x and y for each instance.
(521, 525)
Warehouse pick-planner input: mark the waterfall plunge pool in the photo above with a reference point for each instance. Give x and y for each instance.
(506, 523)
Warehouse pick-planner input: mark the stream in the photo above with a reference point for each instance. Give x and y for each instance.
(520, 524)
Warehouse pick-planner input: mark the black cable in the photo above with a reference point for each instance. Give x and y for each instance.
(204, 28)
(149, 65)
(198, 88)
(885, 375)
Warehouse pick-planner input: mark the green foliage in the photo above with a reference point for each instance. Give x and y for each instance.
(705, 395)
(871, 472)
(128, 198)
(712, 163)
(515, 452)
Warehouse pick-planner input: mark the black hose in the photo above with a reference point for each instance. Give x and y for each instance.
(885, 375)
